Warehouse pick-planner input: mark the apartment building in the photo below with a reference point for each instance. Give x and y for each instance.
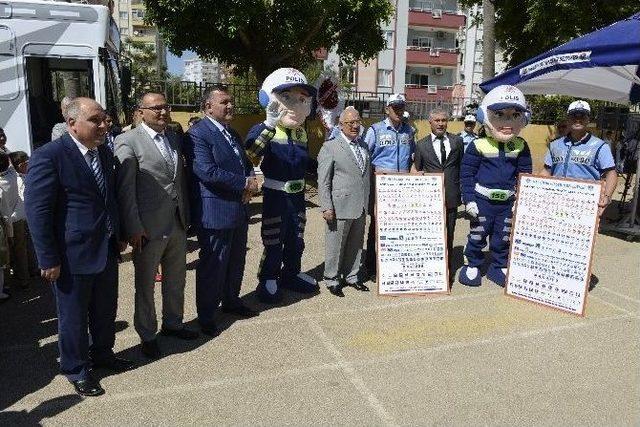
(129, 15)
(421, 58)
(201, 71)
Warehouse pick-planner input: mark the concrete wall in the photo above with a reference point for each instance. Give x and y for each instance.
(537, 136)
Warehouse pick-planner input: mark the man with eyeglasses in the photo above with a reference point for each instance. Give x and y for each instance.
(582, 155)
(343, 186)
(152, 194)
(391, 145)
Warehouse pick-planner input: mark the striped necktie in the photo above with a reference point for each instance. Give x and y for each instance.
(356, 151)
(165, 150)
(97, 171)
(99, 176)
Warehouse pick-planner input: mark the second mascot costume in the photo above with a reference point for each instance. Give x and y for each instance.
(281, 142)
(488, 177)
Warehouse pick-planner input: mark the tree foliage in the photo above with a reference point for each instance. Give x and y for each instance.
(267, 34)
(527, 28)
(143, 62)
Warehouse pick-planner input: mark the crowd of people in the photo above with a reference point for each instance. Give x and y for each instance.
(94, 190)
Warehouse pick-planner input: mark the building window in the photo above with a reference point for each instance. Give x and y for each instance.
(124, 15)
(422, 42)
(124, 31)
(388, 39)
(419, 79)
(384, 78)
(348, 75)
(138, 13)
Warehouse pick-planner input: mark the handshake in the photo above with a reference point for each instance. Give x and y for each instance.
(250, 189)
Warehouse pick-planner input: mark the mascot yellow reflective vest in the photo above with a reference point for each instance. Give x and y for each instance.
(488, 176)
(281, 143)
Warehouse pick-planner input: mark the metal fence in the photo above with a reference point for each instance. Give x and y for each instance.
(186, 96)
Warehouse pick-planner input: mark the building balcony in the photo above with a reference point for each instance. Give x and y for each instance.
(436, 19)
(428, 93)
(432, 56)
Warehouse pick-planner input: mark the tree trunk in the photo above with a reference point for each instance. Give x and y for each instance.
(488, 40)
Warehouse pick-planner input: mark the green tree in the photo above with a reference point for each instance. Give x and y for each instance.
(143, 62)
(527, 28)
(267, 34)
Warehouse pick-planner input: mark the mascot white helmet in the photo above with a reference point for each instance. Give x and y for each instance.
(293, 94)
(504, 112)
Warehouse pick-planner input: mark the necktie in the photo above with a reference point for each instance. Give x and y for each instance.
(443, 152)
(97, 171)
(165, 150)
(358, 154)
(99, 176)
(233, 145)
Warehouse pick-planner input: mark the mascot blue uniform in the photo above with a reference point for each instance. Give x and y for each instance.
(488, 176)
(281, 143)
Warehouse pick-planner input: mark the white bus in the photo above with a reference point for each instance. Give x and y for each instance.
(48, 50)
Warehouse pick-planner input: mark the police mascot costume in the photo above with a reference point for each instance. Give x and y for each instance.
(281, 143)
(488, 176)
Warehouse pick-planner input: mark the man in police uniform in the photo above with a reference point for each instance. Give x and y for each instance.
(468, 135)
(391, 146)
(581, 154)
(281, 143)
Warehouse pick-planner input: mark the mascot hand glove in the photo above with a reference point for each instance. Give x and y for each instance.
(472, 209)
(274, 114)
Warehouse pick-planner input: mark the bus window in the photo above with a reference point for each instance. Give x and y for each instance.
(48, 81)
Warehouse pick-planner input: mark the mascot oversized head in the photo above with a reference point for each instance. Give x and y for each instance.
(287, 97)
(504, 112)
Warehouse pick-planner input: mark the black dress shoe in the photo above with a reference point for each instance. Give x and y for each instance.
(240, 310)
(210, 330)
(183, 334)
(151, 349)
(359, 287)
(116, 364)
(88, 387)
(336, 290)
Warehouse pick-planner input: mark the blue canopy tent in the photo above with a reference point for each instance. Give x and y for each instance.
(604, 64)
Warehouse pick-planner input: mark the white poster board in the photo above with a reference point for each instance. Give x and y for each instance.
(411, 234)
(555, 225)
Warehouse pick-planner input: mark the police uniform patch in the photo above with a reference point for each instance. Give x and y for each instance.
(511, 145)
(299, 134)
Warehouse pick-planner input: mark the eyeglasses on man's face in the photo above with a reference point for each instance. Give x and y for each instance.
(158, 108)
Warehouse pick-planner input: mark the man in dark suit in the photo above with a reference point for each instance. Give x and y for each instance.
(72, 214)
(222, 185)
(441, 152)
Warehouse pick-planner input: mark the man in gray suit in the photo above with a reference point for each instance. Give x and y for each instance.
(344, 170)
(153, 199)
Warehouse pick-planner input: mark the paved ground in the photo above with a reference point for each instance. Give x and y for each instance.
(475, 357)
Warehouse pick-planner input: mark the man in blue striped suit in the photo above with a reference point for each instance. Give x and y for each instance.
(222, 186)
(72, 214)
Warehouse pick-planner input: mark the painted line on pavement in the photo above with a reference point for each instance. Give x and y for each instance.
(491, 340)
(29, 403)
(355, 379)
(623, 296)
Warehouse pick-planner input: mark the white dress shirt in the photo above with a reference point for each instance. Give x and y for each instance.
(353, 144)
(84, 150)
(166, 146)
(436, 145)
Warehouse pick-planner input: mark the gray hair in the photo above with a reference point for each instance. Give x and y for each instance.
(438, 111)
(349, 109)
(78, 106)
(64, 106)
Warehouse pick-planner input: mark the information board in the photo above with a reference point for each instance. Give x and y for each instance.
(411, 234)
(555, 225)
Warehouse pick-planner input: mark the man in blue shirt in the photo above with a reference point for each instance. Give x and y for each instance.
(468, 135)
(581, 154)
(391, 144)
